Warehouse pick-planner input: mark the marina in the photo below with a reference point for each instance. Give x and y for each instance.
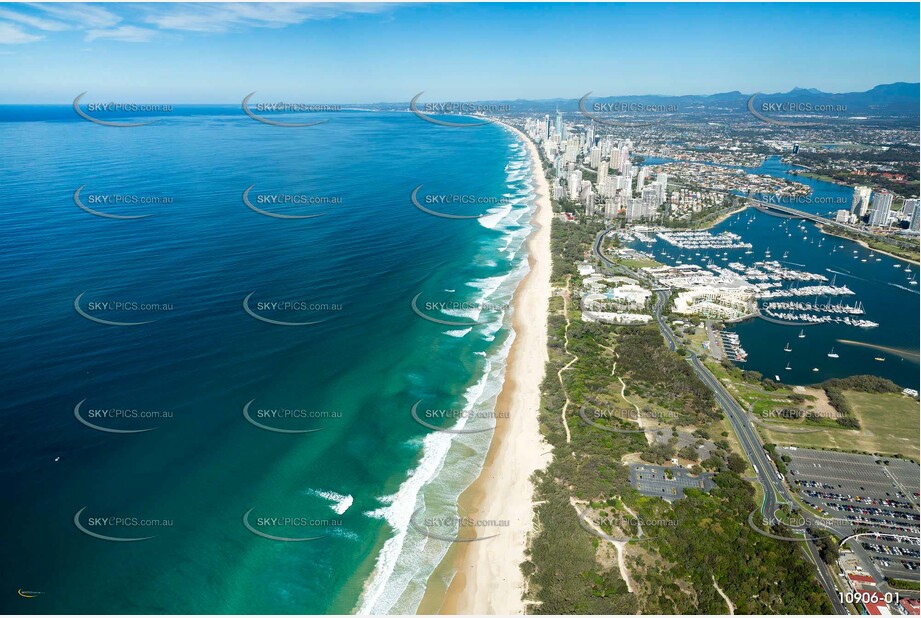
(817, 284)
(703, 240)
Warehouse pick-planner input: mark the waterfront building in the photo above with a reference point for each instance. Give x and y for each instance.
(913, 222)
(861, 201)
(879, 209)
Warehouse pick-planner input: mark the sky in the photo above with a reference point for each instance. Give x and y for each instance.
(367, 53)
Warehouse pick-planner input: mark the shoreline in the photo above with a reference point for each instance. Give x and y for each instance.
(866, 245)
(723, 217)
(486, 578)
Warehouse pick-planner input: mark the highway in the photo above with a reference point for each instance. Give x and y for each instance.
(775, 493)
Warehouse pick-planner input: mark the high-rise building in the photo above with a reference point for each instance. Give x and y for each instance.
(559, 125)
(595, 156)
(860, 201)
(913, 222)
(640, 179)
(909, 208)
(879, 209)
(624, 157)
(634, 208)
(651, 201)
(662, 179)
(575, 184)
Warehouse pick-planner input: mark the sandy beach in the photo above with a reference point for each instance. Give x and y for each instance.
(486, 575)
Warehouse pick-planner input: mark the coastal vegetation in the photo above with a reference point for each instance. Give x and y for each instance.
(688, 550)
(900, 248)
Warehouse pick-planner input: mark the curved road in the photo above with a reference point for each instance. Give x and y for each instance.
(773, 488)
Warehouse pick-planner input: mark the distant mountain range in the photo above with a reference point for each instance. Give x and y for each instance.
(900, 99)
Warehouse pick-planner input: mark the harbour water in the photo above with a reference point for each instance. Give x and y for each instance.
(204, 473)
(879, 282)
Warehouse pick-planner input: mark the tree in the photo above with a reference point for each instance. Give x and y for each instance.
(736, 464)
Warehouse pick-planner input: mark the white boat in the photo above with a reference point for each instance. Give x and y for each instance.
(788, 367)
(787, 348)
(832, 354)
(802, 334)
(776, 378)
(815, 368)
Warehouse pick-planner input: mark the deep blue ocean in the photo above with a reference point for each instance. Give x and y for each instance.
(196, 359)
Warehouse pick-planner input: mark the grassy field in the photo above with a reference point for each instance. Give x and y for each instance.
(889, 425)
(635, 264)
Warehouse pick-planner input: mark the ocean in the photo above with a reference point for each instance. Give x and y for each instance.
(205, 423)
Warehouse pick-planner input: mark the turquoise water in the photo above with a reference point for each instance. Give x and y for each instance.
(881, 283)
(353, 376)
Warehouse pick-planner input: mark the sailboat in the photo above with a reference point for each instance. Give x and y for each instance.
(788, 367)
(832, 354)
(802, 334)
(787, 348)
(879, 358)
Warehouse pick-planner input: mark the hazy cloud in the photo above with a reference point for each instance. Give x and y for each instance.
(11, 34)
(127, 34)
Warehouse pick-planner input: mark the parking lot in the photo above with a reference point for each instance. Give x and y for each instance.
(666, 482)
(869, 494)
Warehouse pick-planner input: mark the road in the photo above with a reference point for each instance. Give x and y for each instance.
(775, 493)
